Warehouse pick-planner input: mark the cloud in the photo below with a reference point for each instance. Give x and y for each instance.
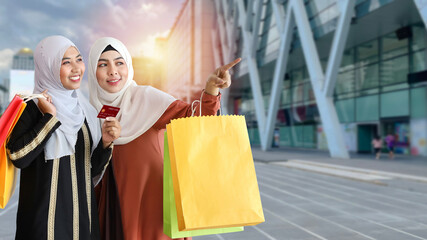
(152, 10)
(54, 3)
(148, 47)
(136, 23)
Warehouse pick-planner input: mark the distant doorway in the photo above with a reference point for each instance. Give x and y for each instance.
(365, 134)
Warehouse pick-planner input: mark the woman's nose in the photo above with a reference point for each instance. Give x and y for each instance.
(112, 71)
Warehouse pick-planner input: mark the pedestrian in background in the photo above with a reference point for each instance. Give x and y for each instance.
(377, 142)
(390, 140)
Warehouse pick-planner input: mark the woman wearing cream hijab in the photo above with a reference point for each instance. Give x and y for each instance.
(58, 145)
(138, 153)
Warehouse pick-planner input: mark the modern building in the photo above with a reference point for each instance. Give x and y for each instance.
(22, 73)
(190, 58)
(23, 60)
(325, 74)
(4, 95)
(21, 77)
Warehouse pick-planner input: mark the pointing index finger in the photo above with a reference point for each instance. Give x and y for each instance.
(230, 65)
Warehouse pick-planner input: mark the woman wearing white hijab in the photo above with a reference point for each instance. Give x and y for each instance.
(58, 145)
(138, 153)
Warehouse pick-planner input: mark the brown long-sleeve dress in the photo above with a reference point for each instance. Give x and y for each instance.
(138, 171)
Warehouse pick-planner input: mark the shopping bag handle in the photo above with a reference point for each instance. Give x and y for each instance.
(27, 98)
(193, 109)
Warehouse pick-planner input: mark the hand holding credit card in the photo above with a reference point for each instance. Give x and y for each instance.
(108, 111)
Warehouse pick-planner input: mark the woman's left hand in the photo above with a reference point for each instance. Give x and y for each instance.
(220, 78)
(110, 131)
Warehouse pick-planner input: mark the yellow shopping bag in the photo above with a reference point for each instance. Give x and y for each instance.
(170, 220)
(7, 170)
(213, 173)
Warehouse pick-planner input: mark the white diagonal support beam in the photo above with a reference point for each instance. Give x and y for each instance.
(328, 115)
(279, 73)
(255, 27)
(279, 14)
(338, 45)
(253, 70)
(249, 20)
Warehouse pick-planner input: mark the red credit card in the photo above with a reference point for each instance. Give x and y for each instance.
(108, 111)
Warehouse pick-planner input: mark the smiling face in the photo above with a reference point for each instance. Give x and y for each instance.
(72, 69)
(111, 71)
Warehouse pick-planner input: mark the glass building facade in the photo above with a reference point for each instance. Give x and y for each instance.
(386, 43)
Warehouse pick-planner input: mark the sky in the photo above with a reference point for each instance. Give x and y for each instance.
(24, 23)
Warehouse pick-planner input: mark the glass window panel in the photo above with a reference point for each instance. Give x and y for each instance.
(309, 140)
(345, 82)
(392, 46)
(395, 87)
(418, 102)
(254, 136)
(324, 63)
(345, 96)
(367, 77)
(418, 60)
(266, 99)
(394, 70)
(368, 92)
(314, 7)
(285, 136)
(298, 93)
(328, 14)
(306, 74)
(345, 110)
(418, 37)
(298, 136)
(286, 97)
(367, 52)
(266, 86)
(273, 47)
(297, 76)
(367, 108)
(247, 106)
(395, 104)
(347, 61)
(309, 93)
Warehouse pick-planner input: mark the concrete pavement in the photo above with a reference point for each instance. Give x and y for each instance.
(401, 164)
(308, 195)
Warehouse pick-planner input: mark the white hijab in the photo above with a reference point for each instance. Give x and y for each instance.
(71, 106)
(140, 106)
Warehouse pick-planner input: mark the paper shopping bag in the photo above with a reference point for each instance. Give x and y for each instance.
(213, 173)
(170, 220)
(7, 170)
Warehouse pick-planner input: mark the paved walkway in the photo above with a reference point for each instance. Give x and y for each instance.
(401, 164)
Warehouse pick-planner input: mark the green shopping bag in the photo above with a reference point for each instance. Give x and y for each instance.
(170, 219)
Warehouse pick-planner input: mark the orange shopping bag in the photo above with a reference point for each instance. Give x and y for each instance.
(7, 170)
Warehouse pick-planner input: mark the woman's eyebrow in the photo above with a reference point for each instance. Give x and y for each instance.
(66, 58)
(106, 60)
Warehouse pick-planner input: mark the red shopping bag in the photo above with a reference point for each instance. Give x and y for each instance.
(7, 170)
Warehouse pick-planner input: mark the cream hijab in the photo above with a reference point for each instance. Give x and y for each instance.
(71, 106)
(140, 106)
